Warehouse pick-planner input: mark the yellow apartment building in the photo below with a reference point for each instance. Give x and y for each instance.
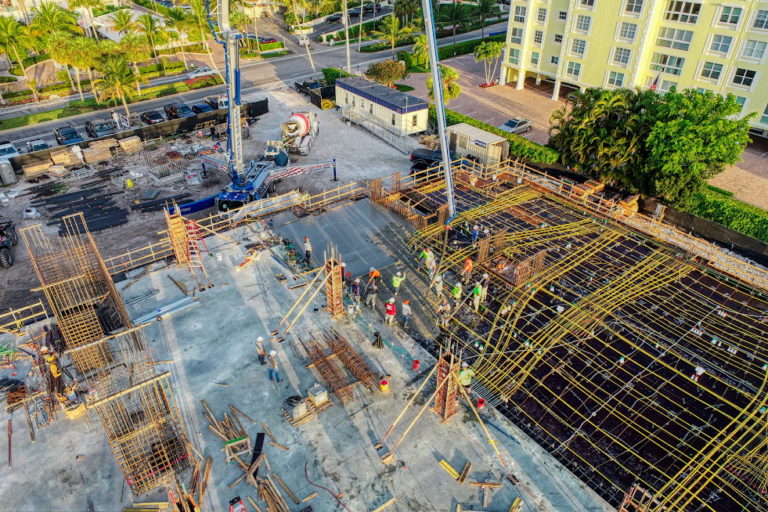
(706, 45)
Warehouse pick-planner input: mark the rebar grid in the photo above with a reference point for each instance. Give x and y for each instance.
(625, 358)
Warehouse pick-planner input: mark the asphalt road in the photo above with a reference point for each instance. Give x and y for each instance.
(255, 76)
(322, 28)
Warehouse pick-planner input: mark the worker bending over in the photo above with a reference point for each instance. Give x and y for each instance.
(55, 380)
(465, 376)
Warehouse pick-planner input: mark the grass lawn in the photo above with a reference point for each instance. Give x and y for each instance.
(51, 115)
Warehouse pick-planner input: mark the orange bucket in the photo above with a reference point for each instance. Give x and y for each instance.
(384, 385)
(480, 403)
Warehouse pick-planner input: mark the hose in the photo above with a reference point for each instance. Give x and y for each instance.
(306, 475)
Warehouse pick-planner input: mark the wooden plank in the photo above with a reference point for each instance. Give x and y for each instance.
(287, 490)
(278, 445)
(444, 464)
(494, 485)
(517, 505)
(464, 472)
(235, 410)
(253, 504)
(307, 498)
(384, 505)
(268, 432)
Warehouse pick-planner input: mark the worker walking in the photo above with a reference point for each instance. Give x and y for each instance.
(477, 295)
(437, 284)
(443, 312)
(456, 292)
(465, 376)
(397, 280)
(356, 293)
(407, 312)
(466, 271)
(475, 233)
(307, 250)
(261, 351)
(485, 283)
(390, 310)
(273, 368)
(372, 295)
(373, 276)
(55, 380)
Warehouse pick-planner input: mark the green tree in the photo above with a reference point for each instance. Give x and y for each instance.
(87, 6)
(55, 44)
(15, 42)
(405, 10)
(199, 17)
(456, 16)
(149, 26)
(117, 81)
(489, 53)
(80, 58)
(122, 21)
(49, 17)
(135, 48)
(451, 88)
(386, 72)
(391, 31)
(421, 51)
(658, 145)
(484, 10)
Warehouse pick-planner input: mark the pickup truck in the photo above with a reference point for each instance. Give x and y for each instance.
(423, 158)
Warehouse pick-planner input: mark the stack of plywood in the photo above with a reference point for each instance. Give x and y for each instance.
(103, 144)
(629, 205)
(131, 144)
(57, 170)
(588, 188)
(36, 169)
(92, 155)
(64, 157)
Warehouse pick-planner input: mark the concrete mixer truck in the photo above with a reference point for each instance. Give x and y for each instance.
(298, 132)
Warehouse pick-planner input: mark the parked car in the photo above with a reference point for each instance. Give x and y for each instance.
(335, 18)
(303, 40)
(423, 158)
(37, 145)
(372, 7)
(100, 128)
(217, 102)
(517, 125)
(199, 108)
(201, 72)
(177, 110)
(354, 12)
(152, 117)
(8, 150)
(67, 135)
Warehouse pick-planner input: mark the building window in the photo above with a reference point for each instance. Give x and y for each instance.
(587, 4)
(730, 16)
(621, 56)
(370, 108)
(554, 59)
(674, 38)
(520, 14)
(627, 31)
(667, 63)
(721, 44)
(573, 70)
(615, 79)
(711, 71)
(517, 36)
(741, 100)
(541, 15)
(414, 120)
(684, 12)
(558, 38)
(744, 77)
(667, 85)
(562, 15)
(514, 56)
(535, 58)
(633, 7)
(764, 117)
(578, 47)
(393, 119)
(538, 36)
(583, 23)
(754, 49)
(761, 20)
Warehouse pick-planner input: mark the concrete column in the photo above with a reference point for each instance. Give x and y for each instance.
(556, 92)
(538, 79)
(520, 79)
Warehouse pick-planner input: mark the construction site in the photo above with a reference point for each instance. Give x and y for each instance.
(205, 323)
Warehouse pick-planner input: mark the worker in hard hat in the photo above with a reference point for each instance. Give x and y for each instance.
(272, 366)
(55, 380)
(465, 376)
(261, 351)
(397, 280)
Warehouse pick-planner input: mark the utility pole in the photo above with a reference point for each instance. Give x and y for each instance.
(346, 34)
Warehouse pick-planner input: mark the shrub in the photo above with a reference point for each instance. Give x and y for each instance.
(332, 74)
(519, 147)
(265, 47)
(731, 213)
(7, 79)
(465, 47)
(407, 59)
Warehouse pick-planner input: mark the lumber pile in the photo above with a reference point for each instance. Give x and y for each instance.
(271, 496)
(131, 144)
(92, 155)
(64, 157)
(629, 205)
(103, 144)
(36, 169)
(58, 171)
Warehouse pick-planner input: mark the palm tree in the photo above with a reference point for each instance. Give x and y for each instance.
(15, 41)
(123, 22)
(450, 78)
(456, 15)
(318, 7)
(489, 53)
(404, 9)
(88, 6)
(484, 10)
(117, 81)
(420, 51)
(199, 16)
(149, 26)
(80, 58)
(135, 48)
(49, 17)
(56, 45)
(391, 31)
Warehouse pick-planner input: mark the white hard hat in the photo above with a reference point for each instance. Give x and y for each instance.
(464, 364)
(372, 269)
(273, 353)
(391, 299)
(357, 279)
(43, 349)
(343, 264)
(399, 273)
(260, 338)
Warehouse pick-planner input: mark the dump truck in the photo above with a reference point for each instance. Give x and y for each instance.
(298, 132)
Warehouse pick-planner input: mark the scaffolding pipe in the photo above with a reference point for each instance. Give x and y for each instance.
(437, 93)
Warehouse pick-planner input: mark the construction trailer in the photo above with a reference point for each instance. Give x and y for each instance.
(395, 111)
(482, 146)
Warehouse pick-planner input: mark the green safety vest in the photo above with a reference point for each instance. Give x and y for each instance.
(465, 376)
(456, 292)
(477, 290)
(396, 281)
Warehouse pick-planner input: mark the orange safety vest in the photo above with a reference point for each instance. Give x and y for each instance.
(467, 265)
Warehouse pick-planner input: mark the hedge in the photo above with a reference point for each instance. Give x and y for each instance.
(465, 47)
(353, 31)
(7, 79)
(333, 74)
(158, 68)
(519, 147)
(377, 47)
(734, 214)
(265, 47)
